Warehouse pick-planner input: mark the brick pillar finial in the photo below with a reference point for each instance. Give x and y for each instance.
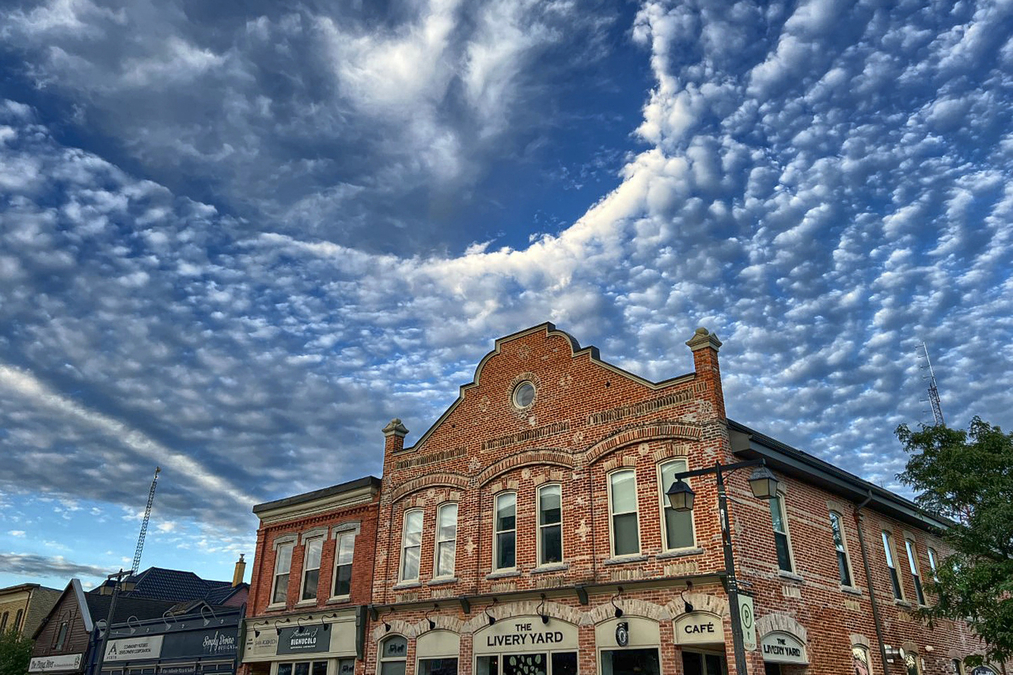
(705, 346)
(394, 434)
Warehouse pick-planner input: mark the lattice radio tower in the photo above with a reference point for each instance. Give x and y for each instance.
(144, 524)
(937, 409)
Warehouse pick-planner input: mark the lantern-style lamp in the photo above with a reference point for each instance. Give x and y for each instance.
(763, 483)
(681, 496)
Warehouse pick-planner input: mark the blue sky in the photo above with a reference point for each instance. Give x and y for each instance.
(236, 240)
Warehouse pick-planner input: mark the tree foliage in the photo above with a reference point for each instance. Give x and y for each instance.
(15, 653)
(967, 476)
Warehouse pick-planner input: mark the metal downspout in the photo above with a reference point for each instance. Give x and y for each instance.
(860, 518)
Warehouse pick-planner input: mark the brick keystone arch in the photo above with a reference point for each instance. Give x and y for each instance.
(650, 432)
(701, 603)
(452, 480)
(523, 458)
(631, 607)
(523, 608)
(397, 627)
(448, 623)
(781, 622)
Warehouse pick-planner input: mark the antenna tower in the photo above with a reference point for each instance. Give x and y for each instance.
(144, 524)
(937, 409)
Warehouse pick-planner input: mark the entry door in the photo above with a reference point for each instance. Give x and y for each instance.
(703, 663)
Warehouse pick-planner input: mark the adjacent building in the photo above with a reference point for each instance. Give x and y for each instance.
(23, 607)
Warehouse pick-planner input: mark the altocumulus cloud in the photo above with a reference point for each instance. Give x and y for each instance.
(825, 185)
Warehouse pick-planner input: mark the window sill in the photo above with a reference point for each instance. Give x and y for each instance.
(404, 585)
(442, 581)
(338, 599)
(503, 574)
(625, 559)
(902, 603)
(789, 575)
(851, 590)
(306, 603)
(679, 553)
(553, 567)
(275, 607)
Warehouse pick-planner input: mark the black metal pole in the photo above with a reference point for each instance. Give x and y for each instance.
(109, 621)
(733, 584)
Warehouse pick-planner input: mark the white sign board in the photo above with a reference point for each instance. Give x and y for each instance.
(134, 649)
(748, 622)
(525, 634)
(699, 628)
(45, 664)
(783, 648)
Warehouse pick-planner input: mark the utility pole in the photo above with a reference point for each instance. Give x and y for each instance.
(119, 576)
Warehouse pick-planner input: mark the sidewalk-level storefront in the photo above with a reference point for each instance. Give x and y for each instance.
(305, 644)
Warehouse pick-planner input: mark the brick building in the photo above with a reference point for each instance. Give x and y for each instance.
(311, 582)
(23, 607)
(526, 532)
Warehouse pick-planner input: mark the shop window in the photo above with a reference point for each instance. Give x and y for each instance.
(311, 568)
(411, 545)
(393, 654)
(677, 526)
(61, 636)
(933, 564)
(843, 564)
(558, 663)
(446, 540)
(912, 561)
(860, 660)
(636, 662)
(346, 667)
(303, 668)
(446, 666)
(17, 619)
(550, 525)
(344, 552)
(505, 546)
(779, 518)
(282, 567)
(898, 590)
(771, 669)
(623, 504)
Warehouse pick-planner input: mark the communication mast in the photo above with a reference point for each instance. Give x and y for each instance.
(144, 524)
(937, 409)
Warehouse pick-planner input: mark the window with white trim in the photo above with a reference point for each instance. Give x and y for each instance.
(393, 655)
(446, 539)
(505, 545)
(311, 568)
(344, 552)
(550, 524)
(411, 545)
(677, 526)
(779, 519)
(843, 564)
(624, 518)
(912, 561)
(898, 590)
(282, 568)
(933, 564)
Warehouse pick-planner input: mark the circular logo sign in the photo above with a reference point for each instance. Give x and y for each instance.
(622, 633)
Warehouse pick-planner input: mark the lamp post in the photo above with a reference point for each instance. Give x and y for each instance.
(119, 576)
(763, 484)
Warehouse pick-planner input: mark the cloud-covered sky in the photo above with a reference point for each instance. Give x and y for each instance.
(235, 240)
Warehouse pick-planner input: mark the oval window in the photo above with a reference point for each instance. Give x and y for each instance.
(524, 395)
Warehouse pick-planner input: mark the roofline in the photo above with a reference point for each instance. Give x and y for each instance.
(226, 611)
(791, 460)
(20, 587)
(357, 484)
(575, 351)
(74, 586)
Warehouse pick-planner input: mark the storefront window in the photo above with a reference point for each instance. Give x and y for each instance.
(678, 525)
(346, 667)
(623, 501)
(634, 662)
(392, 656)
(559, 663)
(446, 540)
(438, 666)
(506, 531)
(550, 525)
(303, 668)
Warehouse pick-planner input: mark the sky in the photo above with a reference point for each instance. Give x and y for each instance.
(236, 239)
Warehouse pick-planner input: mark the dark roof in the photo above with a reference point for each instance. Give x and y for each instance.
(159, 583)
(218, 596)
(126, 607)
(365, 481)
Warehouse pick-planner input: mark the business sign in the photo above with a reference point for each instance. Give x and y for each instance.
(783, 648)
(305, 640)
(45, 664)
(201, 643)
(623, 633)
(134, 649)
(747, 619)
(525, 634)
(698, 628)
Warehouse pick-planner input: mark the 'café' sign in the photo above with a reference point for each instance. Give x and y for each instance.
(783, 648)
(699, 628)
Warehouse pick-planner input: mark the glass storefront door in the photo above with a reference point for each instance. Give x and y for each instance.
(703, 663)
(558, 663)
(630, 662)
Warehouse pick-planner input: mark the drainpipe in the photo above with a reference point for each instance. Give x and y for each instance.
(859, 520)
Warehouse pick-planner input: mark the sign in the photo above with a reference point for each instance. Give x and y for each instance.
(748, 622)
(623, 633)
(134, 649)
(200, 643)
(983, 670)
(699, 628)
(308, 639)
(783, 648)
(525, 634)
(185, 669)
(45, 664)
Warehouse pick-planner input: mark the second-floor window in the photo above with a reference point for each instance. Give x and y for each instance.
(446, 540)
(344, 552)
(311, 568)
(779, 519)
(17, 619)
(843, 565)
(623, 505)
(3, 621)
(411, 546)
(912, 561)
(550, 525)
(898, 592)
(61, 636)
(282, 568)
(933, 564)
(505, 548)
(677, 525)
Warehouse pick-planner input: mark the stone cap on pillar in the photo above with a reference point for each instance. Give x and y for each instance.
(395, 428)
(703, 339)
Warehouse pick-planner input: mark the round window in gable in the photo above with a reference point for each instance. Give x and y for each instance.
(524, 395)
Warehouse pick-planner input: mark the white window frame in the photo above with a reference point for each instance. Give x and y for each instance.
(496, 533)
(781, 499)
(911, 550)
(437, 572)
(381, 659)
(539, 526)
(306, 569)
(663, 500)
(405, 547)
(890, 550)
(613, 514)
(280, 544)
(933, 562)
(339, 535)
(844, 546)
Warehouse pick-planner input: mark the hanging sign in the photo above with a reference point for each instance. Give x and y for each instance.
(783, 648)
(699, 628)
(748, 622)
(134, 649)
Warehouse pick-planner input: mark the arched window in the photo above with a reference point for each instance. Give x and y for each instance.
(393, 655)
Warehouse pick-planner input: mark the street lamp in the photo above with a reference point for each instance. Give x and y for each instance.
(681, 497)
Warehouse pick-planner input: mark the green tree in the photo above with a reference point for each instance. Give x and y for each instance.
(967, 476)
(15, 653)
